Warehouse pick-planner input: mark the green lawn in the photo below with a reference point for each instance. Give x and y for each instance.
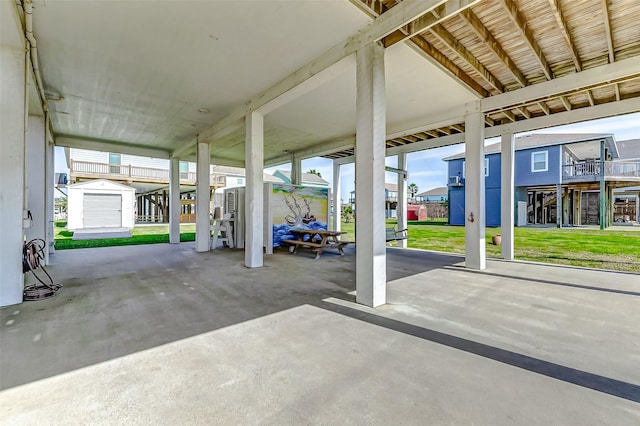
(609, 249)
(147, 234)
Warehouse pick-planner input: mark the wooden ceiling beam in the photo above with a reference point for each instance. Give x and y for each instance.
(489, 40)
(447, 64)
(522, 26)
(524, 111)
(544, 107)
(592, 101)
(432, 133)
(511, 116)
(452, 43)
(564, 28)
(607, 30)
(490, 121)
(457, 127)
(566, 103)
(444, 130)
(617, 87)
(428, 20)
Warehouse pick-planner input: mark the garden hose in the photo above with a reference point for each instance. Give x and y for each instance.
(33, 255)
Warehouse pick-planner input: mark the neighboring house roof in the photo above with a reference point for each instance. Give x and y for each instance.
(391, 187)
(102, 183)
(435, 192)
(629, 149)
(240, 172)
(540, 140)
(306, 177)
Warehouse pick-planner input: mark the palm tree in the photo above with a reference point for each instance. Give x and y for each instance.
(315, 172)
(413, 189)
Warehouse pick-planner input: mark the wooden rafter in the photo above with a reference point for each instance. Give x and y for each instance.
(489, 40)
(444, 130)
(607, 28)
(566, 103)
(432, 133)
(568, 39)
(511, 116)
(524, 112)
(592, 101)
(458, 127)
(490, 121)
(617, 87)
(520, 23)
(447, 64)
(544, 107)
(452, 43)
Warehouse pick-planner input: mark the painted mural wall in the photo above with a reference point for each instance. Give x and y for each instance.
(297, 207)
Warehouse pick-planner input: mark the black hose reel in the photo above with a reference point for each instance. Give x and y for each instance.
(33, 256)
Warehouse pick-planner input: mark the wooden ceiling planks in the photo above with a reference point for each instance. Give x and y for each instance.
(503, 45)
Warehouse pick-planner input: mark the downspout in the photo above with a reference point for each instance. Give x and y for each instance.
(33, 50)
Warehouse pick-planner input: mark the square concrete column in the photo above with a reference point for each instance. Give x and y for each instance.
(401, 206)
(174, 200)
(371, 272)
(337, 204)
(474, 194)
(35, 176)
(50, 174)
(203, 198)
(12, 164)
(254, 194)
(296, 170)
(507, 194)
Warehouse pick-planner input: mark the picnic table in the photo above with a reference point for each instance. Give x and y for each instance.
(318, 240)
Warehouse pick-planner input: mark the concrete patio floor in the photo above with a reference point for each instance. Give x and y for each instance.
(160, 334)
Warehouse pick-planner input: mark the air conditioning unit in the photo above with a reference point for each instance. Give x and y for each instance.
(455, 181)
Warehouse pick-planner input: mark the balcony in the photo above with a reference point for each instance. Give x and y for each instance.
(128, 173)
(589, 171)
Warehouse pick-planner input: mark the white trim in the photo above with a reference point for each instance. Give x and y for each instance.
(546, 161)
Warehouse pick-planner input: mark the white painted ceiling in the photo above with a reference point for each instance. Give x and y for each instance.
(137, 72)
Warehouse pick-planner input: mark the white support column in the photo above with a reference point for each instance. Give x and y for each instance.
(12, 163)
(507, 216)
(49, 177)
(474, 194)
(203, 198)
(35, 164)
(174, 200)
(337, 202)
(371, 272)
(401, 209)
(254, 201)
(559, 210)
(296, 170)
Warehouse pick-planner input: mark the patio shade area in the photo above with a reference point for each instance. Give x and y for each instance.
(162, 334)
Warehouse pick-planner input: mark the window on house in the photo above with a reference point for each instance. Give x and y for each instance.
(540, 161)
(115, 160)
(184, 170)
(486, 168)
(240, 181)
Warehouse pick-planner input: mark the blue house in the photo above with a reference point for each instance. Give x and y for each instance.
(551, 168)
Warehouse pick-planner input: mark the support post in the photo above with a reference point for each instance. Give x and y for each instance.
(174, 200)
(296, 170)
(507, 194)
(401, 205)
(337, 202)
(371, 273)
(254, 201)
(203, 195)
(475, 250)
(49, 189)
(603, 188)
(35, 164)
(12, 162)
(559, 209)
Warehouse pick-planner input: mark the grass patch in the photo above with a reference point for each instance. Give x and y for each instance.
(146, 234)
(604, 249)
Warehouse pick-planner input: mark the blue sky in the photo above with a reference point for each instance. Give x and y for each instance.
(426, 168)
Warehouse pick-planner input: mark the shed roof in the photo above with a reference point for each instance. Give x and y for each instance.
(306, 177)
(439, 191)
(101, 184)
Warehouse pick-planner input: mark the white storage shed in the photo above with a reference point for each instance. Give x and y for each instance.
(100, 204)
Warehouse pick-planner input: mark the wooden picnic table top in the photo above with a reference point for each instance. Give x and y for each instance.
(316, 232)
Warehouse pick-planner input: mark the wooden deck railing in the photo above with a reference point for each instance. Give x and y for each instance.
(593, 170)
(135, 173)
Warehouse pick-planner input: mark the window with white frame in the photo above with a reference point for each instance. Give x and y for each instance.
(539, 161)
(486, 168)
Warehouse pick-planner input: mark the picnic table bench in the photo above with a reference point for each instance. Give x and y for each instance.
(318, 241)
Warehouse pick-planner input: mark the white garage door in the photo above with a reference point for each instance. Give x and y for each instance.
(102, 210)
